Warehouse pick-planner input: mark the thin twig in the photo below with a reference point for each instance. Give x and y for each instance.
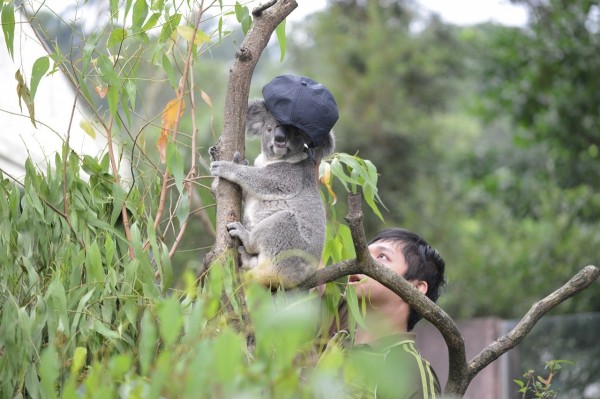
(115, 170)
(192, 172)
(180, 93)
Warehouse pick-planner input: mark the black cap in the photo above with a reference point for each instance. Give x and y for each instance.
(300, 101)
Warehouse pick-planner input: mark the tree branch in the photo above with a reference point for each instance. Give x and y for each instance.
(365, 264)
(575, 285)
(461, 374)
(228, 195)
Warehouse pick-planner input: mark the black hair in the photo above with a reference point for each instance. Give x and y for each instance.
(424, 263)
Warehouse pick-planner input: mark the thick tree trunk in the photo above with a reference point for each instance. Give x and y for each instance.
(228, 195)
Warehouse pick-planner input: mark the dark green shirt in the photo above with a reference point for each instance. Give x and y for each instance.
(399, 371)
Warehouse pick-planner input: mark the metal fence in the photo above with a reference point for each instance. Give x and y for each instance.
(574, 337)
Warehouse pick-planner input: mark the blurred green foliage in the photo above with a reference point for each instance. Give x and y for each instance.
(80, 317)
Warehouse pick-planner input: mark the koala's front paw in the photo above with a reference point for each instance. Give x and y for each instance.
(219, 168)
(237, 230)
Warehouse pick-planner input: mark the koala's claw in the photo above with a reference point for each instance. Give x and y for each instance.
(237, 158)
(237, 230)
(233, 226)
(212, 152)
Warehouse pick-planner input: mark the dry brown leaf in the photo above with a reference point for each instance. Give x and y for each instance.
(326, 179)
(101, 90)
(206, 98)
(169, 120)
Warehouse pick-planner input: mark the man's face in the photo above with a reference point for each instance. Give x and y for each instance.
(389, 254)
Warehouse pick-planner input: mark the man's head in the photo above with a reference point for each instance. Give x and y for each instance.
(409, 255)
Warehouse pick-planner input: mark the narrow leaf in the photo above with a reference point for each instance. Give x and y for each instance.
(147, 342)
(79, 358)
(49, 371)
(40, 67)
(116, 37)
(169, 315)
(140, 12)
(8, 26)
(352, 300)
(175, 165)
(87, 127)
(168, 67)
(151, 23)
(206, 98)
(280, 31)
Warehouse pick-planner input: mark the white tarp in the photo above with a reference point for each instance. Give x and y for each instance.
(54, 102)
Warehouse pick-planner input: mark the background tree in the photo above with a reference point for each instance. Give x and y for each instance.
(453, 161)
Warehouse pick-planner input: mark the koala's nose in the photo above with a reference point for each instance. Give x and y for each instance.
(279, 134)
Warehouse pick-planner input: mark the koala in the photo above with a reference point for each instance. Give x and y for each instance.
(284, 221)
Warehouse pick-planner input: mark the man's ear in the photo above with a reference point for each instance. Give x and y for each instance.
(422, 286)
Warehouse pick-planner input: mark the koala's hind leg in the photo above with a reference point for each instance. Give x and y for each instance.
(248, 261)
(283, 255)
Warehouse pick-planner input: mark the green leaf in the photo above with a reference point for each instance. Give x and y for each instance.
(229, 347)
(82, 302)
(118, 200)
(40, 67)
(280, 31)
(49, 371)
(151, 23)
(109, 250)
(169, 27)
(352, 301)
(119, 365)
(165, 269)
(158, 5)
(175, 165)
(169, 315)
(114, 8)
(147, 342)
(183, 209)
(338, 171)
(93, 264)
(519, 383)
(88, 128)
(242, 14)
(79, 360)
(8, 26)
(113, 99)
(107, 71)
(168, 67)
(140, 12)
(103, 330)
(116, 37)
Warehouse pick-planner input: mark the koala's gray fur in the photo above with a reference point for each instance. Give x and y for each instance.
(283, 230)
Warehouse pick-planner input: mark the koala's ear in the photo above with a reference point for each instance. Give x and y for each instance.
(256, 118)
(326, 148)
